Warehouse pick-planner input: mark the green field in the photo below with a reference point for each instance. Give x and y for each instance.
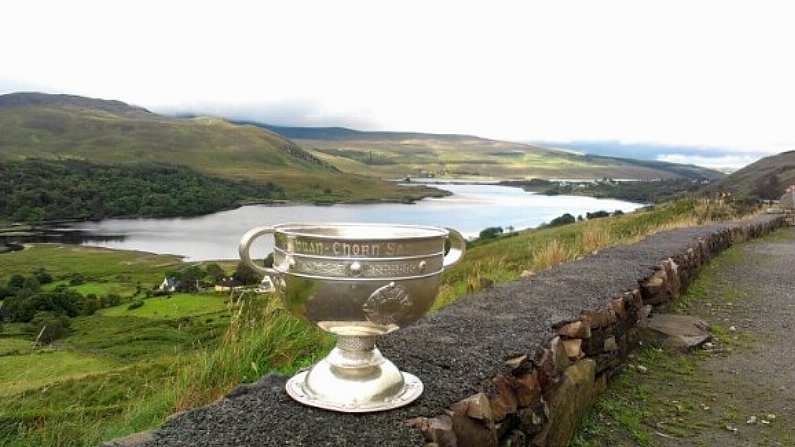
(30, 371)
(114, 267)
(179, 305)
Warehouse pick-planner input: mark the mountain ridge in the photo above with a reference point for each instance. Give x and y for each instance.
(389, 153)
(766, 178)
(44, 126)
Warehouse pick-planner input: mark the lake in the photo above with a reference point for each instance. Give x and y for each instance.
(470, 209)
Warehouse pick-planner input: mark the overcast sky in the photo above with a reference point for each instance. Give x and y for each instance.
(701, 73)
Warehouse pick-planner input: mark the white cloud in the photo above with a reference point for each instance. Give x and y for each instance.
(707, 73)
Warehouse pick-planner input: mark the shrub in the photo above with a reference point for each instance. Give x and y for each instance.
(135, 305)
(490, 233)
(49, 326)
(597, 215)
(16, 282)
(565, 219)
(111, 300)
(246, 275)
(76, 279)
(42, 276)
(214, 272)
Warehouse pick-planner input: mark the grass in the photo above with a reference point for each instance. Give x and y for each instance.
(179, 305)
(101, 289)
(98, 264)
(506, 258)
(34, 370)
(9, 346)
(632, 403)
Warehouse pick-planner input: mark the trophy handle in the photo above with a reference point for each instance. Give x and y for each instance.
(245, 248)
(458, 246)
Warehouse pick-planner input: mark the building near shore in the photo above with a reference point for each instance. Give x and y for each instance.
(787, 204)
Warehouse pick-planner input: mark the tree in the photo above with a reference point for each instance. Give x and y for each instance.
(49, 326)
(565, 219)
(490, 233)
(188, 278)
(246, 275)
(214, 272)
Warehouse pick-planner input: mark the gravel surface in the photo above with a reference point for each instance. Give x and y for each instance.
(454, 352)
(756, 296)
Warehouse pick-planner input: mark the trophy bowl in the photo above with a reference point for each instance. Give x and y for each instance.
(356, 281)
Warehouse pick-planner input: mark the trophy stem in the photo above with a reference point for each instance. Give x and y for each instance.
(355, 355)
(356, 342)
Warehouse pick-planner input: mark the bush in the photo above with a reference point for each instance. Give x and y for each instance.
(214, 272)
(111, 300)
(49, 326)
(246, 275)
(135, 305)
(597, 215)
(565, 219)
(42, 276)
(618, 213)
(490, 233)
(76, 279)
(16, 282)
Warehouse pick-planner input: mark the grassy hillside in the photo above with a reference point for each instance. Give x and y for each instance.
(35, 125)
(398, 154)
(764, 179)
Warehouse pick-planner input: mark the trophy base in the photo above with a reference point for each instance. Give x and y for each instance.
(354, 378)
(411, 390)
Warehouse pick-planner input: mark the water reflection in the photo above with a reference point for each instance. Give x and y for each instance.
(470, 209)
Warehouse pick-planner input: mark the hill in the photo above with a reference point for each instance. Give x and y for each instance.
(43, 126)
(400, 154)
(765, 179)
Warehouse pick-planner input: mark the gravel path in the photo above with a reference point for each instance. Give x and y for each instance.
(455, 352)
(740, 391)
(755, 296)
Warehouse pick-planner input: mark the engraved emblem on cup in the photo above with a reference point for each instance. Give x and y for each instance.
(357, 281)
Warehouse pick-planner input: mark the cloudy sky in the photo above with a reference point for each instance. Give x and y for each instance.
(715, 75)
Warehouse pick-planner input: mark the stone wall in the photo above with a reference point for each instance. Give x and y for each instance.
(540, 402)
(514, 365)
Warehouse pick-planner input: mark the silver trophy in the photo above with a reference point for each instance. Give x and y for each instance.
(357, 281)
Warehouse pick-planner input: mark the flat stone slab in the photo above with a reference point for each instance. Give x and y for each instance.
(678, 332)
(455, 352)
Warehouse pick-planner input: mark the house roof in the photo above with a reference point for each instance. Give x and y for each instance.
(229, 282)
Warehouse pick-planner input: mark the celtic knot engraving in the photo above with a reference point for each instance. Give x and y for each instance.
(387, 304)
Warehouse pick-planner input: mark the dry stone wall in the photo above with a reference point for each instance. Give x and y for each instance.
(515, 365)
